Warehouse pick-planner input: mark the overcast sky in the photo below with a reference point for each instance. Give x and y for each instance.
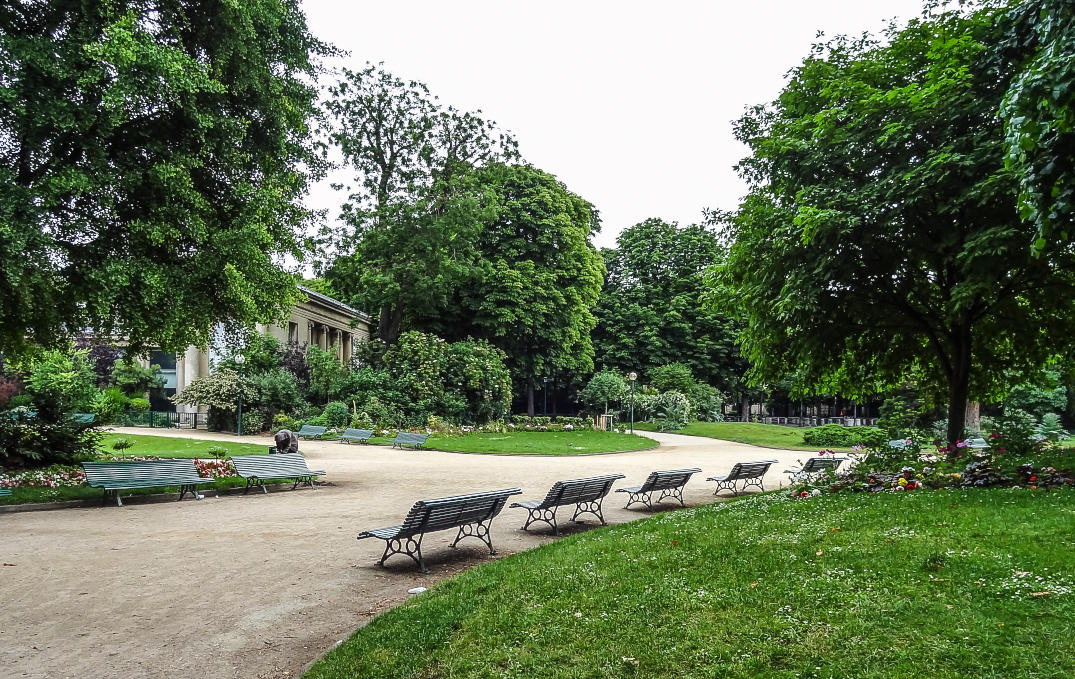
(630, 104)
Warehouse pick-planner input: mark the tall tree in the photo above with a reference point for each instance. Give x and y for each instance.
(1039, 112)
(650, 311)
(880, 232)
(538, 277)
(410, 202)
(153, 158)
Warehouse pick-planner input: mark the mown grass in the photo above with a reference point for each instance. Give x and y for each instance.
(541, 443)
(164, 446)
(971, 583)
(753, 433)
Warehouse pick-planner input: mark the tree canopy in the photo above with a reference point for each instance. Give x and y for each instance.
(153, 158)
(881, 234)
(650, 312)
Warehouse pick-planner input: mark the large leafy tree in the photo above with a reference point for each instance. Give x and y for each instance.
(537, 279)
(650, 311)
(153, 158)
(410, 217)
(881, 234)
(1039, 112)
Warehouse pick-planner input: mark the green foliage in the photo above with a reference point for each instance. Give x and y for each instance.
(109, 404)
(153, 152)
(604, 387)
(649, 313)
(326, 374)
(411, 202)
(708, 403)
(837, 435)
(1039, 112)
(220, 390)
(134, 379)
(1050, 429)
(263, 353)
(672, 410)
(880, 238)
(36, 442)
(672, 377)
(1014, 433)
(253, 422)
(277, 391)
(901, 413)
(60, 382)
(138, 405)
(337, 414)
(121, 444)
(1042, 396)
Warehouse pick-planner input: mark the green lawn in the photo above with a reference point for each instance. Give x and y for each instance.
(756, 434)
(163, 446)
(969, 583)
(541, 443)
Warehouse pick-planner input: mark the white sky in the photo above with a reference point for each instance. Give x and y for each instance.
(630, 104)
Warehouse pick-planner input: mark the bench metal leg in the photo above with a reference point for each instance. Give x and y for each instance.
(674, 493)
(640, 498)
(410, 547)
(192, 489)
(479, 530)
(546, 515)
(111, 493)
(592, 507)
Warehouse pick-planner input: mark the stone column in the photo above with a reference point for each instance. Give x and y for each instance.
(311, 340)
(348, 347)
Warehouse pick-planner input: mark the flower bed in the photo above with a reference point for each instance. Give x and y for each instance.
(55, 476)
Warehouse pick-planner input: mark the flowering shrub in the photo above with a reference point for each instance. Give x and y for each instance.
(215, 469)
(54, 476)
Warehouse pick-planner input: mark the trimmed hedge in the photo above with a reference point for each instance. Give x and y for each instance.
(837, 435)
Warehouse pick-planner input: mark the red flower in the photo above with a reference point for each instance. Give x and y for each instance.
(1033, 478)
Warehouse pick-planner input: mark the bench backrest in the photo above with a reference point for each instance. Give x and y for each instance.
(749, 470)
(816, 464)
(84, 418)
(356, 433)
(573, 491)
(311, 430)
(287, 464)
(410, 438)
(668, 478)
(978, 443)
(899, 444)
(427, 516)
(139, 470)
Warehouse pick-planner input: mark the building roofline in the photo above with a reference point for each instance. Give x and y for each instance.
(334, 304)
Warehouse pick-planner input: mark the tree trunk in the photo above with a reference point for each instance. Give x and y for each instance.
(390, 324)
(745, 415)
(973, 418)
(959, 386)
(530, 398)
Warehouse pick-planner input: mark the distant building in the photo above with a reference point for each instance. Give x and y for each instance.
(319, 321)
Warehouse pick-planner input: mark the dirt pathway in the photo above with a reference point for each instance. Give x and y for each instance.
(259, 585)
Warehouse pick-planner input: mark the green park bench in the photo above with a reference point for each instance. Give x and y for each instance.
(311, 431)
(586, 494)
(750, 473)
(669, 481)
(472, 514)
(4, 492)
(257, 469)
(84, 418)
(814, 467)
(116, 476)
(406, 438)
(360, 435)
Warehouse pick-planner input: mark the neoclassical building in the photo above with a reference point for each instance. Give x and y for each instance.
(319, 321)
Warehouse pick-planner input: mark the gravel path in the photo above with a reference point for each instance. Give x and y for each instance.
(260, 585)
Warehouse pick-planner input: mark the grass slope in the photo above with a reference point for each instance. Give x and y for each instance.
(753, 433)
(896, 585)
(146, 445)
(541, 443)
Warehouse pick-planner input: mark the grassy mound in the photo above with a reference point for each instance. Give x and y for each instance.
(949, 583)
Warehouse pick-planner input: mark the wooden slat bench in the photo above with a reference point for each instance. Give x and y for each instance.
(406, 438)
(670, 482)
(257, 469)
(360, 435)
(116, 476)
(585, 494)
(750, 473)
(308, 431)
(472, 514)
(814, 466)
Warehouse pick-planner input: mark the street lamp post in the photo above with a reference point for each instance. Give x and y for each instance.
(545, 395)
(239, 361)
(632, 376)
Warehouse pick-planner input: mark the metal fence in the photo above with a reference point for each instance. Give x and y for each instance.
(162, 419)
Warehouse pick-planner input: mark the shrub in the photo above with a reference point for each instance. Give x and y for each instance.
(134, 378)
(672, 377)
(253, 423)
(603, 388)
(109, 405)
(277, 391)
(139, 405)
(9, 388)
(219, 452)
(828, 435)
(33, 442)
(336, 414)
(576, 423)
(282, 421)
(122, 444)
(1050, 428)
(708, 403)
(673, 410)
(61, 382)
